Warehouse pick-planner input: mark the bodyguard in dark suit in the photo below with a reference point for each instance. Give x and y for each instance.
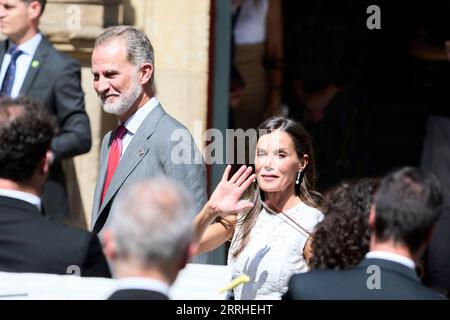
(32, 67)
(149, 238)
(30, 242)
(148, 142)
(401, 221)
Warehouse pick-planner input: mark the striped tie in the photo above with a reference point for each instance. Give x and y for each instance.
(10, 74)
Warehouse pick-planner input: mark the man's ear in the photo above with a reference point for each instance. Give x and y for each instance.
(34, 9)
(372, 217)
(46, 161)
(109, 246)
(189, 253)
(429, 234)
(146, 73)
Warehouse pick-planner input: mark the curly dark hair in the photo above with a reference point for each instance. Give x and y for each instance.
(342, 239)
(26, 130)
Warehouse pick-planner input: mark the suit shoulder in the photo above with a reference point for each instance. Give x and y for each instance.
(137, 294)
(318, 284)
(58, 59)
(312, 275)
(171, 129)
(169, 122)
(431, 294)
(310, 278)
(76, 235)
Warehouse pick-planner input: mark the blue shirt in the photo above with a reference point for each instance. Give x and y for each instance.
(23, 63)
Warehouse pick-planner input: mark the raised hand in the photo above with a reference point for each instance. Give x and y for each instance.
(226, 197)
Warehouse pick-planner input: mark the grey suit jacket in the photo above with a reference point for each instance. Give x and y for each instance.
(56, 82)
(153, 151)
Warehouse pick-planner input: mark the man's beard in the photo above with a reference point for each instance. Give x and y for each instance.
(124, 103)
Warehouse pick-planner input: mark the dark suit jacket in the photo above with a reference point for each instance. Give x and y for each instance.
(56, 82)
(137, 294)
(396, 282)
(438, 255)
(151, 154)
(29, 242)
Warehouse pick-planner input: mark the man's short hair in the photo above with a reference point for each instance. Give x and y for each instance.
(152, 223)
(138, 45)
(26, 131)
(42, 2)
(407, 206)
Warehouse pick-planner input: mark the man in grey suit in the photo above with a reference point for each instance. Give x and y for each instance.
(31, 66)
(148, 142)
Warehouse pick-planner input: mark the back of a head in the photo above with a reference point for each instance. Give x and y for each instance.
(152, 223)
(406, 207)
(26, 131)
(353, 197)
(341, 240)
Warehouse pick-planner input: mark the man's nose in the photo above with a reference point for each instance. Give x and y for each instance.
(102, 85)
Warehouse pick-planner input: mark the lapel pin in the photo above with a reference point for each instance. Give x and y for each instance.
(35, 64)
(141, 152)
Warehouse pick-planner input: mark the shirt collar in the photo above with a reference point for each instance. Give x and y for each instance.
(135, 120)
(391, 257)
(31, 45)
(24, 196)
(143, 284)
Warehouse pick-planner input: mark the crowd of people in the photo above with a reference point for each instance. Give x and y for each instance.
(362, 239)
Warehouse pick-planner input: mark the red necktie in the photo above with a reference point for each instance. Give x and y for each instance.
(114, 157)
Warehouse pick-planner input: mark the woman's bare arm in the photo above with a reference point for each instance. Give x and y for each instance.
(224, 202)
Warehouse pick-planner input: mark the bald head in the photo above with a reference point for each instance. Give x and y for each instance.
(152, 223)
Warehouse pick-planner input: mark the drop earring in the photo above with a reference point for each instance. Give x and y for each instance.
(298, 177)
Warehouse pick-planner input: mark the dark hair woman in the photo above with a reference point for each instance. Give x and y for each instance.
(268, 237)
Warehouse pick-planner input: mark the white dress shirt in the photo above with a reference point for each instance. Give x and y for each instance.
(27, 197)
(391, 257)
(22, 64)
(134, 122)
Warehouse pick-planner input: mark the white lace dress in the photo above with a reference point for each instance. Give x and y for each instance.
(274, 252)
